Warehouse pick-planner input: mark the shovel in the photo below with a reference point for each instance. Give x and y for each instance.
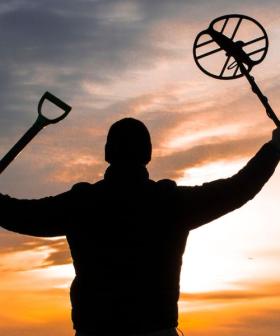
(39, 124)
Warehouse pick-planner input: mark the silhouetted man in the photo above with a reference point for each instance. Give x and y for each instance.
(127, 233)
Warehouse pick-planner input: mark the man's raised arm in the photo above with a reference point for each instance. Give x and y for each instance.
(202, 204)
(45, 217)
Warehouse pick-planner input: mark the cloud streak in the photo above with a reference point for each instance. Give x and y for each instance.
(253, 291)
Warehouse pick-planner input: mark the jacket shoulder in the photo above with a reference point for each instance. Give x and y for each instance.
(166, 184)
(85, 186)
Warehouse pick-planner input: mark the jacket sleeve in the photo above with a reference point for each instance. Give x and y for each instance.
(45, 217)
(201, 204)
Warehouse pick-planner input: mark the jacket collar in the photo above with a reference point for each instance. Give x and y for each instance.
(122, 173)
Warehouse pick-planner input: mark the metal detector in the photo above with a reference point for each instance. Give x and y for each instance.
(39, 124)
(229, 48)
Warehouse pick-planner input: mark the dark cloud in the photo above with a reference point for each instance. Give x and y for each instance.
(59, 253)
(67, 41)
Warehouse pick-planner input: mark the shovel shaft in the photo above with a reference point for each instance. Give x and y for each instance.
(23, 141)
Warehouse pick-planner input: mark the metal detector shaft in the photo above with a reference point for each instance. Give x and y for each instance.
(39, 124)
(263, 98)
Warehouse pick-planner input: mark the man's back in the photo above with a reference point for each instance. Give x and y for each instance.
(127, 251)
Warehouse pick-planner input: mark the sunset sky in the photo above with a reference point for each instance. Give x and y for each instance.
(115, 58)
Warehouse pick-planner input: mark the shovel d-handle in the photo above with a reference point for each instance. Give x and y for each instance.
(56, 101)
(39, 124)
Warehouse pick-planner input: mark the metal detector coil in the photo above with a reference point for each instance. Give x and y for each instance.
(229, 48)
(228, 42)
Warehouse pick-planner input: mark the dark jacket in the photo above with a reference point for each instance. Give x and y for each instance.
(127, 236)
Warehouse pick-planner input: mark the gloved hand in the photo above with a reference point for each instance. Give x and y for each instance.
(276, 139)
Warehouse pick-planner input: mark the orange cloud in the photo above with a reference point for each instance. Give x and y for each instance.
(250, 292)
(251, 311)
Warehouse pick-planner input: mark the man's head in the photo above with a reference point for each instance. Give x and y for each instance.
(128, 141)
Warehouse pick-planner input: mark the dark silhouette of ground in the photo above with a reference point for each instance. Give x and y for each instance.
(127, 233)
